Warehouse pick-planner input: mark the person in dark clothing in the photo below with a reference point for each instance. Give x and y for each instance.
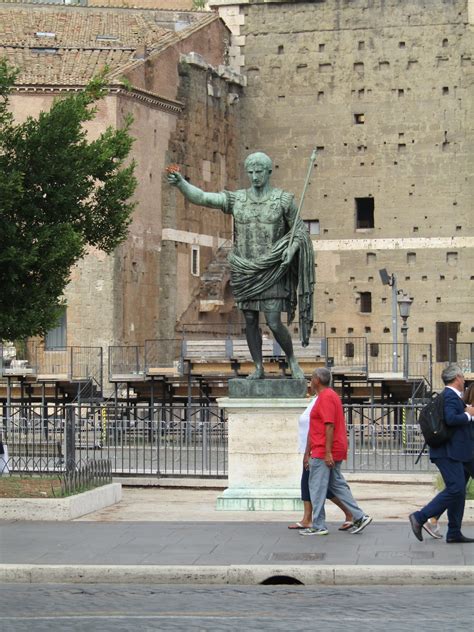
(454, 459)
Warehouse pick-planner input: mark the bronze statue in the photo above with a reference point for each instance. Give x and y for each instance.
(272, 263)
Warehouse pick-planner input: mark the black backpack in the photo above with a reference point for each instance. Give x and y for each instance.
(432, 423)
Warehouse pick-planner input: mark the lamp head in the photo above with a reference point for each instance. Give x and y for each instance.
(404, 304)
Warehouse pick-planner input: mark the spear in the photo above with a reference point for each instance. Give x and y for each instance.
(300, 206)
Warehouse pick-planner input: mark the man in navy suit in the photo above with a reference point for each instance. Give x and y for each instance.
(453, 459)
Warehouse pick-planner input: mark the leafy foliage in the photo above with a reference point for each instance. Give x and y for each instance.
(59, 194)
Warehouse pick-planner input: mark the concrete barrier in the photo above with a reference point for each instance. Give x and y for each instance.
(68, 508)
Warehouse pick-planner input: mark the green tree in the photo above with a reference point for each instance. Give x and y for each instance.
(59, 194)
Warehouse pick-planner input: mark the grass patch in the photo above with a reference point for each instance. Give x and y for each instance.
(30, 486)
(17, 486)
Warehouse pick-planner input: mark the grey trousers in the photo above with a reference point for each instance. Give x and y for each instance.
(322, 478)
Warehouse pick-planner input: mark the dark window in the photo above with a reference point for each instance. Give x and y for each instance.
(365, 302)
(364, 212)
(195, 260)
(56, 337)
(446, 339)
(359, 118)
(349, 353)
(374, 349)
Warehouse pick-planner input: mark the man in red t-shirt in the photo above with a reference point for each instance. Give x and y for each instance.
(326, 449)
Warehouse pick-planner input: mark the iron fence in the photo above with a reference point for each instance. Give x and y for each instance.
(385, 438)
(347, 354)
(380, 360)
(77, 364)
(164, 352)
(92, 474)
(184, 440)
(170, 440)
(462, 353)
(125, 362)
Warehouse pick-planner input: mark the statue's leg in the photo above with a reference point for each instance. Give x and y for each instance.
(282, 336)
(254, 341)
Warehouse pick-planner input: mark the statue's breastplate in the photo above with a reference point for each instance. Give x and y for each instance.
(258, 225)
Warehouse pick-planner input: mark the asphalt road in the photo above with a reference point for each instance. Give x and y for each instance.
(117, 608)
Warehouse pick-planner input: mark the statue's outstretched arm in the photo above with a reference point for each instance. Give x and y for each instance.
(196, 195)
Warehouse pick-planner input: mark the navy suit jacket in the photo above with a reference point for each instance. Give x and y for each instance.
(461, 445)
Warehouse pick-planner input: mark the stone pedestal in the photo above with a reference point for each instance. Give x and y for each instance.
(264, 464)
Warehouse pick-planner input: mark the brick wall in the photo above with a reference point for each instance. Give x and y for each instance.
(205, 144)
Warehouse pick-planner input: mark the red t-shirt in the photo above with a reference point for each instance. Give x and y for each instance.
(328, 410)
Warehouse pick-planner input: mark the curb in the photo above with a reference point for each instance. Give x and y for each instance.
(340, 575)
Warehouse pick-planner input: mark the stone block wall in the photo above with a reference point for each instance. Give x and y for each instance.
(381, 89)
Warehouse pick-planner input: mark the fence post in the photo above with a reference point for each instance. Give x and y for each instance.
(205, 445)
(70, 439)
(351, 453)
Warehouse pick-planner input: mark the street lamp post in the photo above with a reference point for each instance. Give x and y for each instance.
(404, 305)
(391, 280)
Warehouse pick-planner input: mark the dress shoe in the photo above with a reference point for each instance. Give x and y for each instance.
(460, 539)
(416, 527)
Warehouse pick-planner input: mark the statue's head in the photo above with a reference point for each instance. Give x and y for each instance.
(258, 167)
(258, 159)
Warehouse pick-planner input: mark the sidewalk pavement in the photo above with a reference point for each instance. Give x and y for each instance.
(176, 536)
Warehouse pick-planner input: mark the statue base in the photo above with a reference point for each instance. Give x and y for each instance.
(263, 460)
(281, 388)
(260, 500)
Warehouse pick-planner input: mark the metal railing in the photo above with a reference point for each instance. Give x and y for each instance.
(126, 361)
(185, 440)
(462, 353)
(85, 477)
(380, 360)
(385, 438)
(163, 353)
(52, 364)
(178, 440)
(347, 353)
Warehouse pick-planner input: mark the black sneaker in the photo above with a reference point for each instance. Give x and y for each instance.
(361, 524)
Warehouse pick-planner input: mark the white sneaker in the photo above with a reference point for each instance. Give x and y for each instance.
(433, 529)
(361, 524)
(311, 531)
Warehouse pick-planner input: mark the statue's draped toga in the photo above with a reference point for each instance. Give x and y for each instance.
(262, 236)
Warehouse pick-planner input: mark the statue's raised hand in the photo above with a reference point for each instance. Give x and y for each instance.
(174, 176)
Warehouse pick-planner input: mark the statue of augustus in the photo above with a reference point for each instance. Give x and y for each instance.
(272, 263)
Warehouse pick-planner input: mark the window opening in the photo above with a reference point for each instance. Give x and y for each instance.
(446, 340)
(364, 212)
(365, 302)
(374, 349)
(195, 260)
(56, 337)
(313, 226)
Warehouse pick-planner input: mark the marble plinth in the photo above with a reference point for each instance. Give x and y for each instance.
(264, 466)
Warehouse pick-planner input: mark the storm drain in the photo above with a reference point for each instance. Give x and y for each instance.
(277, 580)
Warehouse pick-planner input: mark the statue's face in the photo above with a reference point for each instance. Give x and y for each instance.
(258, 174)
